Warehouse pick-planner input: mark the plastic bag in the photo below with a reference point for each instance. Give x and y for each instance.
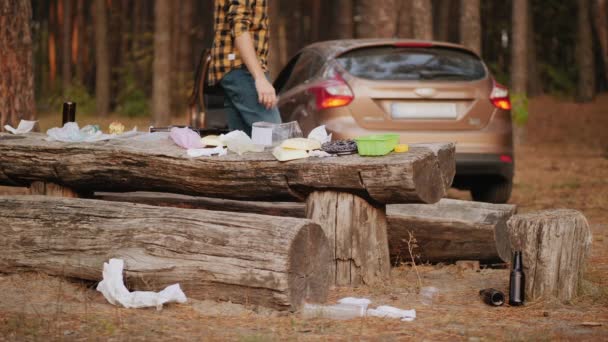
(239, 142)
(113, 289)
(24, 126)
(320, 134)
(186, 138)
(71, 133)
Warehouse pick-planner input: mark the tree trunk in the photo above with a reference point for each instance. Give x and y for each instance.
(519, 36)
(584, 52)
(274, 56)
(422, 17)
(161, 97)
(423, 174)
(377, 19)
(470, 25)
(534, 82)
(404, 20)
(449, 230)
(270, 261)
(344, 19)
(52, 43)
(554, 247)
(102, 58)
(601, 23)
(80, 39)
(16, 71)
(356, 232)
(66, 35)
(441, 24)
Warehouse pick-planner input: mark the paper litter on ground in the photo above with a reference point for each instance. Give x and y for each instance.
(113, 289)
(364, 302)
(25, 126)
(386, 311)
(320, 134)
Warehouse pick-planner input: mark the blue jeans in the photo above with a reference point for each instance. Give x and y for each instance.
(241, 102)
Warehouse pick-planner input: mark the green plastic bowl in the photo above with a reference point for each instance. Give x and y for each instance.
(377, 144)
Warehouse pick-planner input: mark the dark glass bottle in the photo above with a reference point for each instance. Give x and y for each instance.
(69, 112)
(492, 297)
(517, 281)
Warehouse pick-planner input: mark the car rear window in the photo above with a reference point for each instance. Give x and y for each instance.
(412, 63)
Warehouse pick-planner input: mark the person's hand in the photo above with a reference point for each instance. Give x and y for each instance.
(266, 94)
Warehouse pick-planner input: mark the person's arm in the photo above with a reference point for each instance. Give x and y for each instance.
(239, 15)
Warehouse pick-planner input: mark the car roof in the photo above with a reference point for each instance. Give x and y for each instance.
(332, 48)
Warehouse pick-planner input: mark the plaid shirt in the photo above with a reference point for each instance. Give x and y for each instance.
(232, 18)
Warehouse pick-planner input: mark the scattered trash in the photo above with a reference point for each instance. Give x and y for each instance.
(207, 152)
(113, 289)
(401, 148)
(428, 294)
(338, 311)
(492, 297)
(239, 142)
(320, 134)
(286, 154)
(116, 128)
(319, 154)
(186, 138)
(517, 281)
(271, 134)
(25, 126)
(591, 324)
(301, 144)
(386, 311)
(212, 140)
(351, 307)
(70, 132)
(364, 302)
(340, 147)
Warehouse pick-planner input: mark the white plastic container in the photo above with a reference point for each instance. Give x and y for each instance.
(338, 311)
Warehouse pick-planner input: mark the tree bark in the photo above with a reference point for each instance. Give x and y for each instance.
(66, 45)
(601, 23)
(422, 17)
(534, 83)
(554, 245)
(449, 230)
(16, 70)
(423, 174)
(80, 39)
(161, 94)
(356, 231)
(102, 58)
(441, 23)
(270, 261)
(344, 19)
(377, 19)
(519, 36)
(404, 20)
(470, 25)
(584, 52)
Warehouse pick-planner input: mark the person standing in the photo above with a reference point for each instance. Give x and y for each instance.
(239, 62)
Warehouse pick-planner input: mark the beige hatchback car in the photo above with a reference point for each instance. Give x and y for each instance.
(425, 91)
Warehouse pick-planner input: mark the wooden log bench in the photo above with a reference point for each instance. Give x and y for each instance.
(346, 195)
(277, 262)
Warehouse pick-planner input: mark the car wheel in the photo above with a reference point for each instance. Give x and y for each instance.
(498, 191)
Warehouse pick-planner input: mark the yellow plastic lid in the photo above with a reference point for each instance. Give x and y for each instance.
(401, 148)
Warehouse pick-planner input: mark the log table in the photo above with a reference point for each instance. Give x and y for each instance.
(346, 195)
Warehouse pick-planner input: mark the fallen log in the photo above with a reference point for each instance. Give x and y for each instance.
(449, 230)
(554, 245)
(288, 209)
(270, 261)
(421, 175)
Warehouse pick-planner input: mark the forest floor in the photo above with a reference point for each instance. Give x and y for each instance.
(563, 164)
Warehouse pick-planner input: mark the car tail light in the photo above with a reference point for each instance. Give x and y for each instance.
(500, 97)
(332, 93)
(505, 158)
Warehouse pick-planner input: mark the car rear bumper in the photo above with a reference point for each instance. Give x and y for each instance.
(470, 164)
